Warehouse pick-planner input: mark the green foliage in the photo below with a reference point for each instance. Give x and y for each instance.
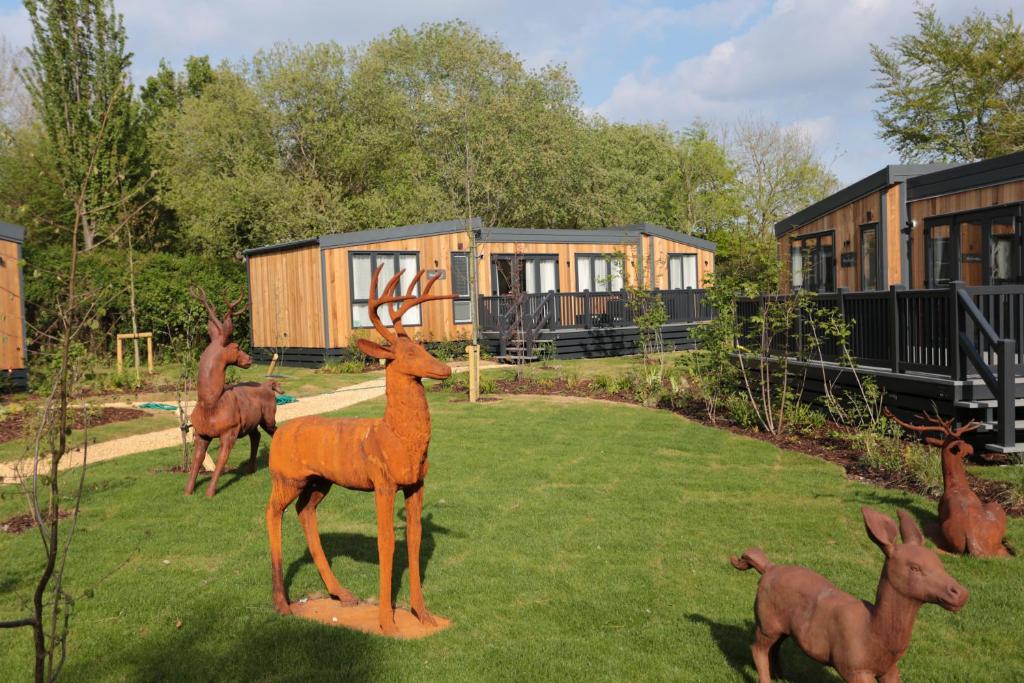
(164, 304)
(342, 367)
(903, 460)
(953, 92)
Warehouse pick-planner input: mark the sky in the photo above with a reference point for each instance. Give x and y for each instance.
(802, 63)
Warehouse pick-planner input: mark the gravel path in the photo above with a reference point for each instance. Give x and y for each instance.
(164, 438)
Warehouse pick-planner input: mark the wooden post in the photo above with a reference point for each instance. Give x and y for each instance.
(273, 364)
(149, 353)
(148, 336)
(954, 327)
(1006, 408)
(473, 354)
(120, 355)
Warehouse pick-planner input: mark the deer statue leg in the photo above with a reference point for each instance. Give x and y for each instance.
(254, 449)
(202, 443)
(306, 507)
(385, 498)
(227, 442)
(761, 650)
(281, 496)
(413, 534)
(891, 676)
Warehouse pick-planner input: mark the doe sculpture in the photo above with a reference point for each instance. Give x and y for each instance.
(384, 455)
(863, 642)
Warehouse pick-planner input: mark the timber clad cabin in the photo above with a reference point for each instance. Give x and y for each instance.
(852, 239)
(925, 264)
(13, 349)
(308, 298)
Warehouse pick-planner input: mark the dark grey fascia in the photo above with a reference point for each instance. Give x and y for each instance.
(672, 235)
(283, 246)
(404, 232)
(12, 232)
(556, 235)
(889, 175)
(1002, 169)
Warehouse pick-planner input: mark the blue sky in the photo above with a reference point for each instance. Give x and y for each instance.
(800, 62)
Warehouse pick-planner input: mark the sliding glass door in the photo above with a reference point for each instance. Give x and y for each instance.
(982, 248)
(537, 273)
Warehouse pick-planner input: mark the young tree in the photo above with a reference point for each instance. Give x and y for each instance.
(78, 80)
(953, 92)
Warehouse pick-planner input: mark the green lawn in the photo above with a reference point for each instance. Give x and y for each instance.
(580, 368)
(567, 540)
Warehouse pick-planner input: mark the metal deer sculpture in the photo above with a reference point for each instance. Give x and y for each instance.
(308, 455)
(967, 525)
(231, 412)
(862, 641)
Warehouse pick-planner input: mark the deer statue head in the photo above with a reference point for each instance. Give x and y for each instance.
(403, 355)
(914, 571)
(227, 352)
(950, 440)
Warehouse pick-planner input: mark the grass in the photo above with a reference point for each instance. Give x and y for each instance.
(567, 540)
(583, 368)
(18, 449)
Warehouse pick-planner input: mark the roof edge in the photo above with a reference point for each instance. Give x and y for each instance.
(12, 232)
(962, 177)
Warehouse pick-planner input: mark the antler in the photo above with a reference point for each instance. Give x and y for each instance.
(214, 326)
(937, 424)
(374, 302)
(228, 325)
(410, 300)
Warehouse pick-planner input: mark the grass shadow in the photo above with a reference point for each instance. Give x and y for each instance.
(363, 549)
(734, 642)
(240, 455)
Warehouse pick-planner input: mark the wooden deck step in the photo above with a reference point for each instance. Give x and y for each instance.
(1015, 448)
(985, 403)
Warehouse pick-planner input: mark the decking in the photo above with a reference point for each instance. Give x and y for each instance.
(955, 350)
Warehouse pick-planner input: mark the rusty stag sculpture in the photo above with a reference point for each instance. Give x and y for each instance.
(967, 525)
(384, 456)
(232, 412)
(862, 641)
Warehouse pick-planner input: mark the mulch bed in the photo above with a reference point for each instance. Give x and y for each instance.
(13, 426)
(821, 445)
(20, 523)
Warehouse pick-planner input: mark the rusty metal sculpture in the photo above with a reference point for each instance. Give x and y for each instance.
(383, 455)
(966, 524)
(232, 412)
(860, 640)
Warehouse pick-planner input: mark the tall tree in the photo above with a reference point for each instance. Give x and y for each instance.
(15, 104)
(953, 92)
(79, 83)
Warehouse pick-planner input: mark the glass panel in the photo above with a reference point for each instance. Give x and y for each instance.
(410, 264)
(618, 275)
(502, 276)
(690, 271)
(360, 317)
(675, 272)
(868, 259)
(825, 264)
(940, 261)
(971, 261)
(796, 256)
(1003, 255)
(386, 272)
(530, 269)
(460, 274)
(547, 275)
(600, 274)
(463, 312)
(583, 274)
(361, 272)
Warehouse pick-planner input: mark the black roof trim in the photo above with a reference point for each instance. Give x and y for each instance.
(1002, 169)
(888, 175)
(546, 235)
(12, 232)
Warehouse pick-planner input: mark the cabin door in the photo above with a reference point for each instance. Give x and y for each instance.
(972, 255)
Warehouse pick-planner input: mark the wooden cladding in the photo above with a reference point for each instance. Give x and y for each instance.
(286, 299)
(12, 326)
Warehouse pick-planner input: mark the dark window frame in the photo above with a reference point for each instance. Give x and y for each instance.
(816, 235)
(985, 216)
(604, 256)
(353, 301)
(468, 296)
(528, 258)
(877, 265)
(681, 256)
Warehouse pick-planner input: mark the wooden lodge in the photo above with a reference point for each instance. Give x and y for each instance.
(936, 306)
(308, 297)
(13, 346)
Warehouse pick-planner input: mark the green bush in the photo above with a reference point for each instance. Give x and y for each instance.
(342, 367)
(738, 409)
(163, 303)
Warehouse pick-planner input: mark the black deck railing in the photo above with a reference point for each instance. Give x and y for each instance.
(958, 332)
(589, 310)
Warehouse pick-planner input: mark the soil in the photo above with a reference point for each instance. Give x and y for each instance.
(13, 426)
(822, 444)
(364, 617)
(20, 523)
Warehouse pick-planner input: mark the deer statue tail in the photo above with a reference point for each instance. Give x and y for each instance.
(752, 557)
(274, 386)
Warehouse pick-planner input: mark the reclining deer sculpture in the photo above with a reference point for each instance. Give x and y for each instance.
(383, 455)
(862, 641)
(967, 525)
(232, 412)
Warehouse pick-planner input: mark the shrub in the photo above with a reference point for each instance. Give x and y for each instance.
(737, 408)
(342, 367)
